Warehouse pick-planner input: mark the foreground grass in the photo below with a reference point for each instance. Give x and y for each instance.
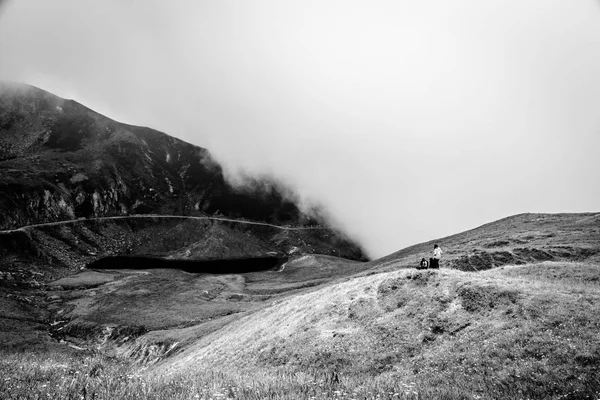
(526, 332)
(54, 376)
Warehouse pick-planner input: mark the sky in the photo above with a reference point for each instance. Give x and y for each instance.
(407, 121)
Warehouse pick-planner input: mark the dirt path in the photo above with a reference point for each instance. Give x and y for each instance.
(23, 228)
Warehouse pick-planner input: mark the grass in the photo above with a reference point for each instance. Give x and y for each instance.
(497, 334)
(517, 332)
(55, 376)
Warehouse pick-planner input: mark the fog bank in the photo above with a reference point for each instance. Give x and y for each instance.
(407, 120)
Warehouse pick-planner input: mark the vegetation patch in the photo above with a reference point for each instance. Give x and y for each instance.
(477, 298)
(532, 255)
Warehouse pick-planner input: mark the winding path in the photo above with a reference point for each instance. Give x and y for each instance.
(289, 228)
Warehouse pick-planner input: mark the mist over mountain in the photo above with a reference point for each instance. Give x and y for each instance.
(406, 121)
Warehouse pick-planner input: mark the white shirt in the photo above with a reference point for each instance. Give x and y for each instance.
(437, 253)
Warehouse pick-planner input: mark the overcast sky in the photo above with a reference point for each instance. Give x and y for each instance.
(409, 120)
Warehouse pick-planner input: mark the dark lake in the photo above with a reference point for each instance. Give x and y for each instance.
(219, 266)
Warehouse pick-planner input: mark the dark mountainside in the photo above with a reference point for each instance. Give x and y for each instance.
(62, 161)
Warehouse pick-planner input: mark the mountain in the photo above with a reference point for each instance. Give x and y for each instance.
(60, 161)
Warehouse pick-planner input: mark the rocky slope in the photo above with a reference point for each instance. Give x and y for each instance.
(61, 160)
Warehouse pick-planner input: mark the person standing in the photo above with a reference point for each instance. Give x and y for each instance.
(434, 262)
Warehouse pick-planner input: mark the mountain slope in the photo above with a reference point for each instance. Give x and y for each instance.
(515, 328)
(61, 160)
(526, 331)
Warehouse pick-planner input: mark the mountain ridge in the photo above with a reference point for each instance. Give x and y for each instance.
(518, 238)
(109, 168)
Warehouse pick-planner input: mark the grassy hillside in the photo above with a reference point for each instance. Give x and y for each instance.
(519, 332)
(519, 239)
(524, 327)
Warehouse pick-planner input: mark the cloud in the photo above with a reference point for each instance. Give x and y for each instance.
(407, 120)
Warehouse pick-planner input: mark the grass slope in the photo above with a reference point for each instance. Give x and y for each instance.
(519, 332)
(519, 239)
(325, 327)
(515, 332)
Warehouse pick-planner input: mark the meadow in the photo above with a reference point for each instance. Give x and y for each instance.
(518, 332)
